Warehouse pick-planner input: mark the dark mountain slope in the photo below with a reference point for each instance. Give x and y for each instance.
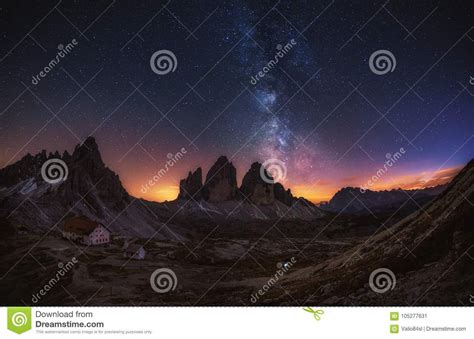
(90, 188)
(353, 200)
(430, 252)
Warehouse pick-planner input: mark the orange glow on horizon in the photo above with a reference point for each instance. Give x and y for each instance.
(418, 180)
(324, 191)
(158, 194)
(314, 193)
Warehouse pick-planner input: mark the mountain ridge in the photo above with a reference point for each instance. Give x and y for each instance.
(193, 186)
(257, 186)
(433, 244)
(355, 200)
(94, 190)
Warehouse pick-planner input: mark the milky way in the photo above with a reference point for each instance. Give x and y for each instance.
(317, 105)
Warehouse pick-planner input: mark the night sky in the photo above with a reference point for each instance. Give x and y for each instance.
(320, 110)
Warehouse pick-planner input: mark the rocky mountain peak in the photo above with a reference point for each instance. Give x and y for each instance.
(27, 167)
(255, 188)
(221, 185)
(221, 181)
(285, 197)
(86, 169)
(191, 186)
(86, 173)
(358, 200)
(88, 151)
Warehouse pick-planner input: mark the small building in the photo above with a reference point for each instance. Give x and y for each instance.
(86, 231)
(133, 251)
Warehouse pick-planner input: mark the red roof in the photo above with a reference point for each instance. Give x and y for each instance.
(80, 225)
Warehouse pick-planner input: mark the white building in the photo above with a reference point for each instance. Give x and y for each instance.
(86, 231)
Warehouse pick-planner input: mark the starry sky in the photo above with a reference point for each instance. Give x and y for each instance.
(320, 110)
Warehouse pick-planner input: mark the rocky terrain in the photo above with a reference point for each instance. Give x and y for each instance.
(93, 190)
(221, 186)
(225, 242)
(431, 253)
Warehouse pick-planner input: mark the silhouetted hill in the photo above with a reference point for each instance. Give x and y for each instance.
(221, 186)
(430, 253)
(39, 197)
(354, 200)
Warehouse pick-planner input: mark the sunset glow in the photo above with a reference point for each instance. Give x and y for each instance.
(167, 190)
